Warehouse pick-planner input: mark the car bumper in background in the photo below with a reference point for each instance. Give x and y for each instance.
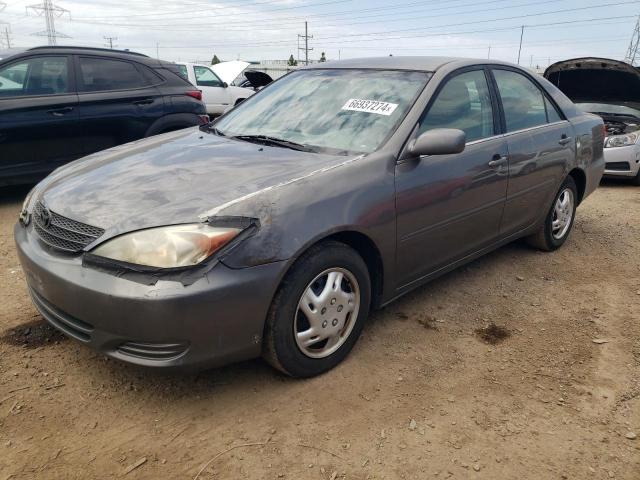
(622, 161)
(217, 320)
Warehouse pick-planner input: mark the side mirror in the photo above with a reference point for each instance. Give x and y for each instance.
(439, 141)
(225, 84)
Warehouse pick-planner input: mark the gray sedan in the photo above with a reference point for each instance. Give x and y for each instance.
(275, 230)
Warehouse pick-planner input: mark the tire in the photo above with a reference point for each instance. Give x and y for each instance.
(339, 314)
(548, 238)
(636, 180)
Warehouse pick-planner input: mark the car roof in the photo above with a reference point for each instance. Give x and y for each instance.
(103, 52)
(425, 64)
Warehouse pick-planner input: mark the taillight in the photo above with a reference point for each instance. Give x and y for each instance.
(197, 94)
(604, 131)
(204, 119)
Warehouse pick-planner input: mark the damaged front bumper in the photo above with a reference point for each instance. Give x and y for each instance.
(215, 320)
(622, 161)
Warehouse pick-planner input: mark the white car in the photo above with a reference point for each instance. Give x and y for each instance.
(215, 83)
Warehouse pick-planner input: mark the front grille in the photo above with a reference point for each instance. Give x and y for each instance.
(67, 324)
(618, 166)
(61, 232)
(153, 351)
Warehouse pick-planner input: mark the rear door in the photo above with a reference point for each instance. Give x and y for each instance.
(38, 116)
(541, 145)
(118, 101)
(449, 206)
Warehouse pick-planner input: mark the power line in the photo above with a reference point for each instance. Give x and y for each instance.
(50, 12)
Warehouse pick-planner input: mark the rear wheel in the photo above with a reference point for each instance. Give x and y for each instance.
(636, 179)
(319, 311)
(559, 221)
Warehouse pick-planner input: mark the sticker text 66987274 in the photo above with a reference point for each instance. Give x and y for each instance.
(370, 106)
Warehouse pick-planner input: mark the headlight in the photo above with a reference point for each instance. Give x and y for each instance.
(167, 247)
(622, 140)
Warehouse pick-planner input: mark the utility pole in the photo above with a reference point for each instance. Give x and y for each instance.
(489, 54)
(306, 48)
(632, 51)
(520, 49)
(110, 40)
(158, 50)
(50, 12)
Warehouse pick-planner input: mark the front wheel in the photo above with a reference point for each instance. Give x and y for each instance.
(559, 221)
(319, 311)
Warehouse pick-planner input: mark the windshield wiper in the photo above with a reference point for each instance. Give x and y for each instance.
(273, 141)
(211, 128)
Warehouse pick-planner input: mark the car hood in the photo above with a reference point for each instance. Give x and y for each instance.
(179, 177)
(228, 71)
(596, 80)
(258, 79)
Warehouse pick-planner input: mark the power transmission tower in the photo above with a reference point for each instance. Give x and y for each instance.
(110, 41)
(50, 12)
(306, 48)
(5, 37)
(632, 51)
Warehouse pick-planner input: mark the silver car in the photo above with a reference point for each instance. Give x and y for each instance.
(276, 229)
(610, 89)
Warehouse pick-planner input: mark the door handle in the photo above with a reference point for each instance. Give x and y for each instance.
(565, 140)
(146, 101)
(498, 160)
(60, 112)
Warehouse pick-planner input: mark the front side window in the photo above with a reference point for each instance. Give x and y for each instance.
(522, 101)
(206, 78)
(102, 74)
(35, 76)
(463, 103)
(338, 111)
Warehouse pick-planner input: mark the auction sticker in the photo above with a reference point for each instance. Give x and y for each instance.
(370, 106)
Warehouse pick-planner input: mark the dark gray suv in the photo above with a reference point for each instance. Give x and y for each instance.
(62, 103)
(276, 229)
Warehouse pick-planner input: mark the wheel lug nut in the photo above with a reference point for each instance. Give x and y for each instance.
(334, 322)
(340, 308)
(333, 301)
(324, 324)
(323, 311)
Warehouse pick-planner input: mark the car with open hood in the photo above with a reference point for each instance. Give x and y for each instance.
(611, 89)
(276, 229)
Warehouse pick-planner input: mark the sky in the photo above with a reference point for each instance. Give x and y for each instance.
(195, 30)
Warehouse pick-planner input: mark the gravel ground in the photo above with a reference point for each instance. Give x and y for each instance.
(522, 365)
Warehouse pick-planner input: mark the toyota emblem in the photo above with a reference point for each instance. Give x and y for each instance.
(45, 217)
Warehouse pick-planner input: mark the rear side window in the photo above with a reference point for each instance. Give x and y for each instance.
(102, 74)
(206, 78)
(522, 101)
(552, 112)
(35, 76)
(463, 103)
(182, 71)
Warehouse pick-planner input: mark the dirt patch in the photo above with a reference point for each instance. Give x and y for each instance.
(408, 403)
(32, 335)
(493, 334)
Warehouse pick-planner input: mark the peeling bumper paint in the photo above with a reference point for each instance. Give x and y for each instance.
(217, 320)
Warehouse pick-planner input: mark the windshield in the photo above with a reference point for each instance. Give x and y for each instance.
(608, 108)
(335, 110)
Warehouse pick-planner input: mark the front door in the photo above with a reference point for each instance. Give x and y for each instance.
(450, 206)
(38, 117)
